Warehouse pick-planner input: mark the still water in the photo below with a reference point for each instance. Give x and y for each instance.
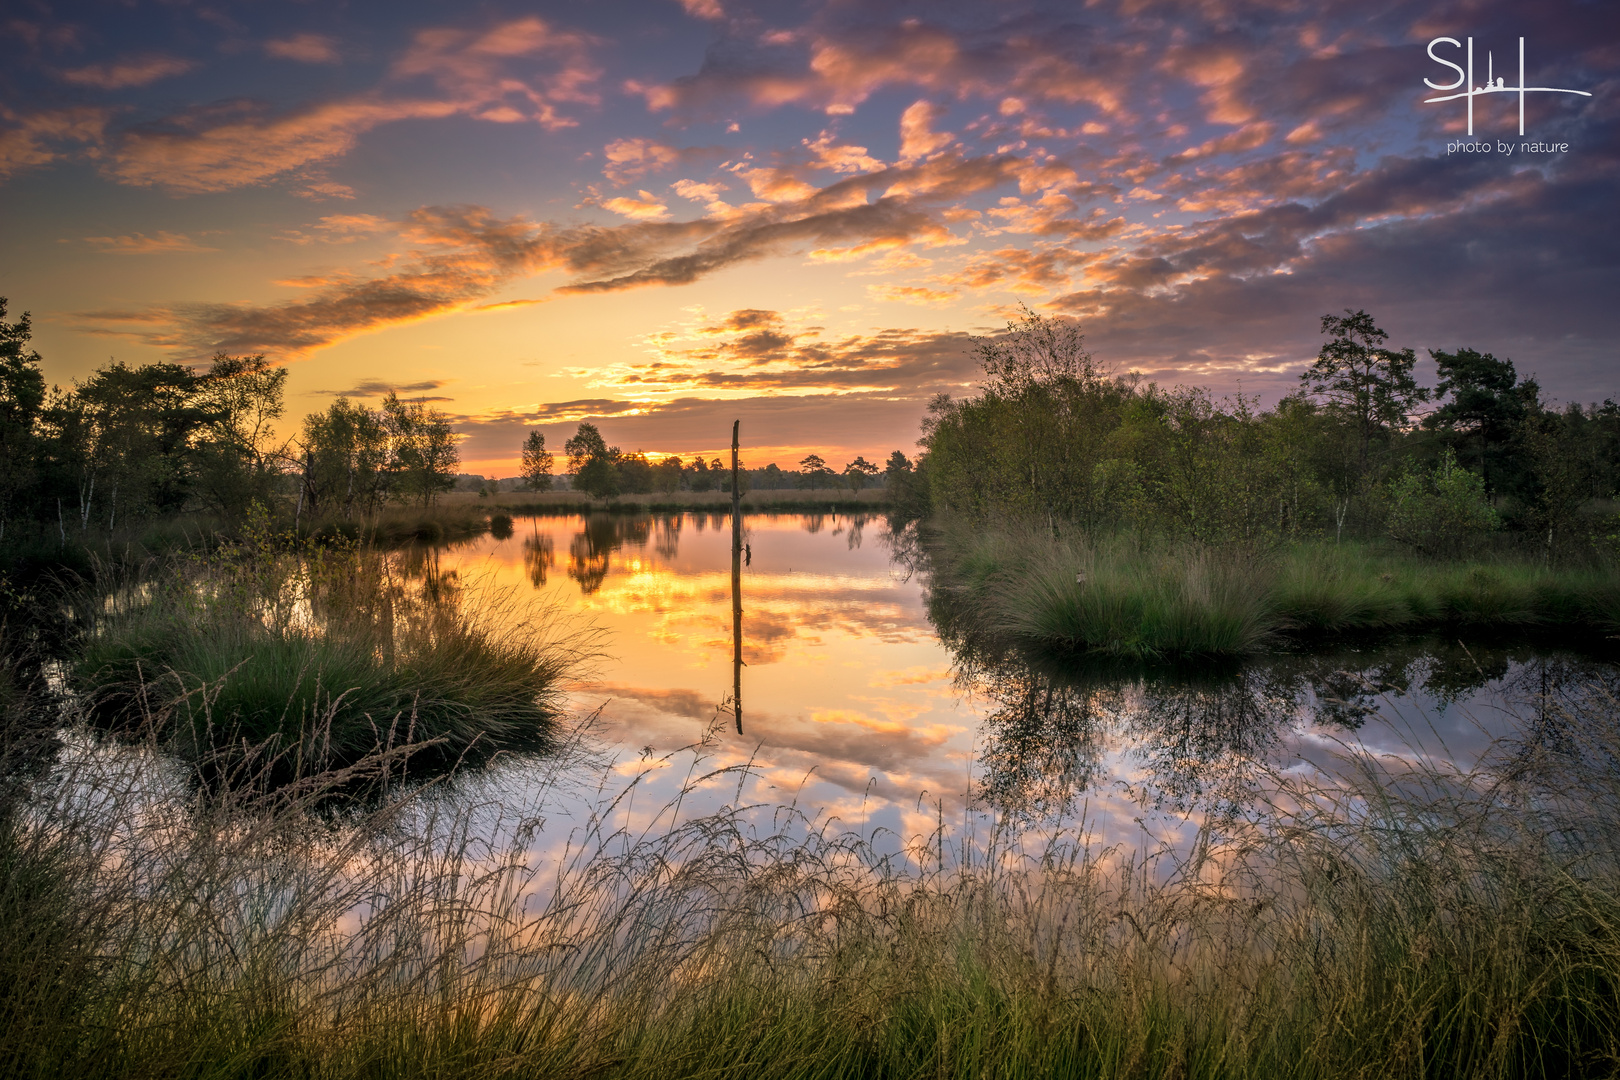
(855, 709)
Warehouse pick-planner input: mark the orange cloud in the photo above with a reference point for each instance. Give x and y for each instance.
(141, 244)
(917, 137)
(911, 294)
(253, 149)
(646, 208)
(628, 159)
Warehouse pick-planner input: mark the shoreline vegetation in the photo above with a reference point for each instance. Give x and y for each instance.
(1087, 515)
(315, 655)
(1119, 598)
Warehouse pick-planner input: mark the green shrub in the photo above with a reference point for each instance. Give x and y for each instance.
(1442, 512)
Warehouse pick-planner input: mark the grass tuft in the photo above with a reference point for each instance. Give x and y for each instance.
(330, 655)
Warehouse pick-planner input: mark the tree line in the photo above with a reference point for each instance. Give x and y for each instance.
(1359, 449)
(135, 442)
(130, 442)
(602, 471)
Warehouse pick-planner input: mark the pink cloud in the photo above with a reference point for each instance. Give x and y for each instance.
(27, 139)
(304, 48)
(214, 150)
(131, 71)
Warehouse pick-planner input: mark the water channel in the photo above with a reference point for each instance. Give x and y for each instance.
(856, 710)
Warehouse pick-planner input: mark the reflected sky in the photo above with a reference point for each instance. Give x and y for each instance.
(857, 708)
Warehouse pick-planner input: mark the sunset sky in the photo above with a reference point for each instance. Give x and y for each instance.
(661, 216)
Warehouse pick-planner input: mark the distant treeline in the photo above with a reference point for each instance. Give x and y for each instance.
(602, 471)
(133, 443)
(1360, 449)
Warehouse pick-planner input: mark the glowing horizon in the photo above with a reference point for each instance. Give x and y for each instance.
(664, 216)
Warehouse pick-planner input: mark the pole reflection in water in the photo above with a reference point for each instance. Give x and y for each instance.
(736, 583)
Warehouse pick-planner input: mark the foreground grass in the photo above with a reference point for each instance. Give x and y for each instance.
(317, 657)
(1468, 926)
(1130, 600)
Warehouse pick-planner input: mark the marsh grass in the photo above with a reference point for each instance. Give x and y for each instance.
(1122, 597)
(394, 525)
(334, 653)
(1399, 920)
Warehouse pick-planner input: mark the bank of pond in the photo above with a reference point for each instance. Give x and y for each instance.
(1126, 597)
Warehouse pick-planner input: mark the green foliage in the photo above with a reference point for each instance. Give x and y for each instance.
(592, 463)
(1487, 407)
(815, 474)
(635, 474)
(346, 463)
(1052, 439)
(238, 457)
(424, 457)
(667, 475)
(699, 476)
(22, 397)
(1440, 511)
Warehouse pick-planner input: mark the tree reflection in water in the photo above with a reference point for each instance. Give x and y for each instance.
(538, 557)
(591, 550)
(1204, 740)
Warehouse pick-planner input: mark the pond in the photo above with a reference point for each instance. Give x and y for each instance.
(854, 708)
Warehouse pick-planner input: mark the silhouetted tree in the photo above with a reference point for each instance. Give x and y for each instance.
(425, 456)
(1487, 407)
(22, 399)
(858, 472)
(592, 463)
(1370, 385)
(536, 463)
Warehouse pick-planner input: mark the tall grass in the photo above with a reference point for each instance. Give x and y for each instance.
(1127, 597)
(332, 652)
(1412, 922)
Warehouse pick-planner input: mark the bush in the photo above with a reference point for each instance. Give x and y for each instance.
(1442, 512)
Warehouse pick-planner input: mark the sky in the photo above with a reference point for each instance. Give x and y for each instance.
(661, 216)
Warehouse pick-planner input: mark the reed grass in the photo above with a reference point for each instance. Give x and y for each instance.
(1128, 598)
(334, 652)
(447, 519)
(1396, 921)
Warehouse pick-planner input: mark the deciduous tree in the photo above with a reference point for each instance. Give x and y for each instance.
(536, 463)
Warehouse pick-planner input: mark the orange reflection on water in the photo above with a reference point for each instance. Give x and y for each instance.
(844, 676)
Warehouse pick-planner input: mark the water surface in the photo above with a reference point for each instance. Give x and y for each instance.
(854, 707)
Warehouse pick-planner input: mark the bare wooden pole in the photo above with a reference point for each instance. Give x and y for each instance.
(736, 581)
